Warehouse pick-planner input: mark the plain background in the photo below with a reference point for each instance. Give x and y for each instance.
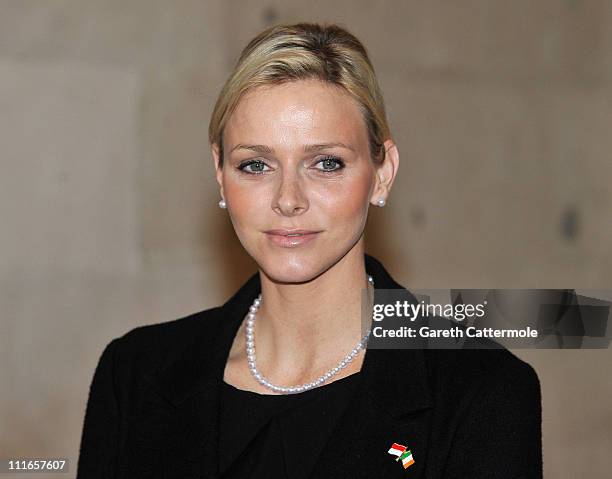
(108, 203)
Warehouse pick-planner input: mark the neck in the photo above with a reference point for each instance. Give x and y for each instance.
(304, 329)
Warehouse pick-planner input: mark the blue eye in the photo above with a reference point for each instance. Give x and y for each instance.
(257, 165)
(330, 164)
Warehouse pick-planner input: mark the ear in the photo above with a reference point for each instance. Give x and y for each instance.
(385, 173)
(218, 169)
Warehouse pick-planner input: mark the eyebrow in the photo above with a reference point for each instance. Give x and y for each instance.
(307, 148)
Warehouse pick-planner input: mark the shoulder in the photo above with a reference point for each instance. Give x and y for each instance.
(478, 363)
(468, 376)
(147, 347)
(169, 333)
(469, 363)
(129, 362)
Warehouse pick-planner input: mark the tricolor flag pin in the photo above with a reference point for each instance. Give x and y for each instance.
(403, 454)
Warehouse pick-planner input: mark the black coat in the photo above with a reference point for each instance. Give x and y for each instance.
(153, 406)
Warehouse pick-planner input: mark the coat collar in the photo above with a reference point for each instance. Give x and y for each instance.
(395, 381)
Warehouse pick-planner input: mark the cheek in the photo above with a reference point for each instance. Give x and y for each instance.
(248, 203)
(346, 201)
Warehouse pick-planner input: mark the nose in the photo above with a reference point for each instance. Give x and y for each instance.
(290, 198)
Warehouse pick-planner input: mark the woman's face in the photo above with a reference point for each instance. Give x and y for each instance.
(297, 158)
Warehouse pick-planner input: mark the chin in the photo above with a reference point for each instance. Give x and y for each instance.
(291, 268)
(294, 266)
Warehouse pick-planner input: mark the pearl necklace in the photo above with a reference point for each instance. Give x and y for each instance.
(250, 350)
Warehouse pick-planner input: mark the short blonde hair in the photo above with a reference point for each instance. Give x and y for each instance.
(303, 51)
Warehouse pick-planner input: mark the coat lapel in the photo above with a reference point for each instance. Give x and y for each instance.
(185, 404)
(179, 426)
(391, 403)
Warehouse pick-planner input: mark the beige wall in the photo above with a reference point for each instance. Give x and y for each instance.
(502, 112)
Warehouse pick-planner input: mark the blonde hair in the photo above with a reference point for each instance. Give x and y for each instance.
(303, 51)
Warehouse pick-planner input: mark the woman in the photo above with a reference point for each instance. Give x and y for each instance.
(277, 382)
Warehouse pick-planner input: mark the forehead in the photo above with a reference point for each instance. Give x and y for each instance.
(298, 111)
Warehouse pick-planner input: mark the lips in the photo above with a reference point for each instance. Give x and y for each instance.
(290, 233)
(291, 238)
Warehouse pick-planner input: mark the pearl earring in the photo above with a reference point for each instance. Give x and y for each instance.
(222, 204)
(381, 202)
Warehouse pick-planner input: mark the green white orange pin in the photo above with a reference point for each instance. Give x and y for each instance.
(403, 454)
